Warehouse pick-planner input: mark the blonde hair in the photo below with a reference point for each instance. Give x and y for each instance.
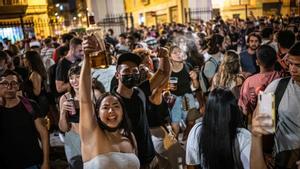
(229, 70)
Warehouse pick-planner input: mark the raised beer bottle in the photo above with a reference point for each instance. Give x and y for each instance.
(99, 59)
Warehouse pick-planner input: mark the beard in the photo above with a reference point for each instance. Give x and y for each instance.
(253, 47)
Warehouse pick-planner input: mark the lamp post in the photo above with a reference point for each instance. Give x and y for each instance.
(246, 3)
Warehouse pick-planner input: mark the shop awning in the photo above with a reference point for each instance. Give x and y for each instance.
(12, 11)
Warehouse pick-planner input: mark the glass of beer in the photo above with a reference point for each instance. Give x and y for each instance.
(173, 83)
(99, 58)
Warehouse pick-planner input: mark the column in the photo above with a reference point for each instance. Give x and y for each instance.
(102, 7)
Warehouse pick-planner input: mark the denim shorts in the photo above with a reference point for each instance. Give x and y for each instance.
(72, 147)
(177, 112)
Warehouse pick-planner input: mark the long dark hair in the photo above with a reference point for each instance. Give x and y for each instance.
(74, 70)
(36, 63)
(124, 124)
(220, 123)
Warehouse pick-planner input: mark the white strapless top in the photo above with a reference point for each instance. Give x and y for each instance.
(113, 160)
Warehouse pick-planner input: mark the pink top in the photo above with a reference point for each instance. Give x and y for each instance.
(251, 88)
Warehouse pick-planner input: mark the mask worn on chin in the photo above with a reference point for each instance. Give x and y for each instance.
(105, 127)
(130, 80)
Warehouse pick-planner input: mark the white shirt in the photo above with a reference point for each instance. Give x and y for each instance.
(288, 125)
(192, 148)
(105, 76)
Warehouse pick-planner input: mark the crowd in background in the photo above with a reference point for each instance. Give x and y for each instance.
(172, 96)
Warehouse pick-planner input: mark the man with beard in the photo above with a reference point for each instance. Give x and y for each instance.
(248, 57)
(134, 99)
(75, 54)
(21, 126)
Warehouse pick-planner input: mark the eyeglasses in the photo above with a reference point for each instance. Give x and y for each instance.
(6, 84)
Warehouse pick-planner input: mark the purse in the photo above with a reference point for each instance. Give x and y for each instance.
(169, 139)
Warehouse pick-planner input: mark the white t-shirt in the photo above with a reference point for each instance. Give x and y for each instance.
(105, 76)
(288, 125)
(192, 148)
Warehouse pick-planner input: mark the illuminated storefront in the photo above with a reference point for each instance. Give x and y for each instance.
(243, 8)
(151, 12)
(23, 19)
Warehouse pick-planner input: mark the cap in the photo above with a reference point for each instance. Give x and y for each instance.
(129, 57)
(34, 44)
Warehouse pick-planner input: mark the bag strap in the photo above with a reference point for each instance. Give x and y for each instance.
(213, 60)
(25, 101)
(280, 89)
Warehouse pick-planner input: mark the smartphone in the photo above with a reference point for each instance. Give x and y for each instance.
(266, 103)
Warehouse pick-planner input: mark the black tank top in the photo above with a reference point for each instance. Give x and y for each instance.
(184, 82)
(27, 88)
(157, 115)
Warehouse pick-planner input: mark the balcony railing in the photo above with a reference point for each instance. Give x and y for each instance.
(13, 2)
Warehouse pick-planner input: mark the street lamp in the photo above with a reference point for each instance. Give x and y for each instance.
(245, 2)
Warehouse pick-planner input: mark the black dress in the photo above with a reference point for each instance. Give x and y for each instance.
(41, 99)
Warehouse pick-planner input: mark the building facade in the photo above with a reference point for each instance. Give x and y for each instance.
(151, 12)
(100, 9)
(23, 18)
(243, 8)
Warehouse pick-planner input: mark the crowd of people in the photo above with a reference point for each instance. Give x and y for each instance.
(172, 96)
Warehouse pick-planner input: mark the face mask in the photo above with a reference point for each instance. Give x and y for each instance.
(130, 80)
(105, 127)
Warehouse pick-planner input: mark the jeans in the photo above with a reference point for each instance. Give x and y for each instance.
(72, 150)
(177, 112)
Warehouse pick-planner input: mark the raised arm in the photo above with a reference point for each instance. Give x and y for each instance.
(256, 154)
(87, 121)
(164, 69)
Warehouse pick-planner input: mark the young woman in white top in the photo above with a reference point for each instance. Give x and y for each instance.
(106, 141)
(219, 141)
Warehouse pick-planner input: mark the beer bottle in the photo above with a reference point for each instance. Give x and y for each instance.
(99, 58)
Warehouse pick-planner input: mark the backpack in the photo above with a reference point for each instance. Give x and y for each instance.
(203, 79)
